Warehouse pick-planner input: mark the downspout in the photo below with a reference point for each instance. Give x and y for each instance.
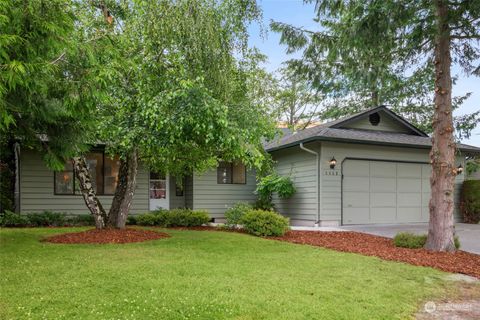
(16, 194)
(319, 178)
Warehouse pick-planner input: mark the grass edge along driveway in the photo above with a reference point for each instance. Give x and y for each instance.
(202, 275)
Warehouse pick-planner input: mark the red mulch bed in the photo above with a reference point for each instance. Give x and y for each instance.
(370, 245)
(127, 235)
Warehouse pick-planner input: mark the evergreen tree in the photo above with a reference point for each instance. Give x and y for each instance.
(375, 48)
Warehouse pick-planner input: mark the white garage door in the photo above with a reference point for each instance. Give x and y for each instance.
(385, 192)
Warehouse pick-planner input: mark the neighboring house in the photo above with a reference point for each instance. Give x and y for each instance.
(381, 175)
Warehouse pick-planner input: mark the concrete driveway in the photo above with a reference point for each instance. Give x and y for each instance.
(469, 234)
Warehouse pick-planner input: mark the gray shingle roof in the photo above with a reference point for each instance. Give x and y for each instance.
(325, 132)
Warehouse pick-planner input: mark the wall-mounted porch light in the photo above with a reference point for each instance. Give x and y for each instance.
(459, 169)
(333, 163)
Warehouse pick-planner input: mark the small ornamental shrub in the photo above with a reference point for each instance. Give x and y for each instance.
(173, 218)
(415, 241)
(46, 219)
(409, 240)
(265, 223)
(470, 201)
(147, 219)
(80, 220)
(132, 220)
(234, 215)
(183, 218)
(11, 219)
(273, 183)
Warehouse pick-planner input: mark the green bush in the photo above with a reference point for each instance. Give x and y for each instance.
(415, 241)
(46, 219)
(173, 218)
(470, 201)
(80, 220)
(456, 240)
(409, 240)
(147, 219)
(265, 223)
(11, 219)
(234, 215)
(184, 218)
(270, 184)
(132, 220)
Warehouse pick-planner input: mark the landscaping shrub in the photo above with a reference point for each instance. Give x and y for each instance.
(185, 218)
(270, 184)
(147, 219)
(409, 240)
(415, 241)
(11, 219)
(470, 201)
(80, 220)
(132, 220)
(173, 218)
(265, 223)
(46, 219)
(234, 215)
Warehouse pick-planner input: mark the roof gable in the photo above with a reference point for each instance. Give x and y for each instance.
(386, 120)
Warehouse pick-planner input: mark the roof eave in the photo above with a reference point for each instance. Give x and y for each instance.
(357, 141)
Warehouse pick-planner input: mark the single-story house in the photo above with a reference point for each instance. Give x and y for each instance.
(372, 167)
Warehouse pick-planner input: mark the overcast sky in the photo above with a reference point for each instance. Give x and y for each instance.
(297, 13)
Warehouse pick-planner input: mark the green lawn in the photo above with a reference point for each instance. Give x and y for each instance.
(202, 275)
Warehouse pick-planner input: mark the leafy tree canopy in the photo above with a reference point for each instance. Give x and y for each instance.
(369, 53)
(48, 79)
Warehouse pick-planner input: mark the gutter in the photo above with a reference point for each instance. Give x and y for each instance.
(319, 178)
(367, 142)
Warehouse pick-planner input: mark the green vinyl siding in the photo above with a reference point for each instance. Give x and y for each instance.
(217, 198)
(301, 167)
(37, 190)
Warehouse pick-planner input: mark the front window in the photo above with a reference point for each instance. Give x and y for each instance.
(231, 173)
(103, 172)
(158, 186)
(64, 180)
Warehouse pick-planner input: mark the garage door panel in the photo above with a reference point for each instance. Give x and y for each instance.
(382, 169)
(383, 215)
(383, 200)
(409, 200)
(409, 170)
(426, 171)
(383, 185)
(409, 185)
(357, 184)
(356, 215)
(426, 185)
(357, 169)
(356, 199)
(411, 214)
(425, 199)
(385, 192)
(425, 213)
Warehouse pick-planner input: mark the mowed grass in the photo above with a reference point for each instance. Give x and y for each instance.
(202, 275)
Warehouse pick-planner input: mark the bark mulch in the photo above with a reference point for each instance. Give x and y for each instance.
(370, 245)
(127, 235)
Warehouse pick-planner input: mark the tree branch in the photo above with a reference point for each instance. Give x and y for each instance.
(473, 36)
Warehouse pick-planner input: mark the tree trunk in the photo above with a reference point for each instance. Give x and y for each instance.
(122, 200)
(442, 156)
(88, 193)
